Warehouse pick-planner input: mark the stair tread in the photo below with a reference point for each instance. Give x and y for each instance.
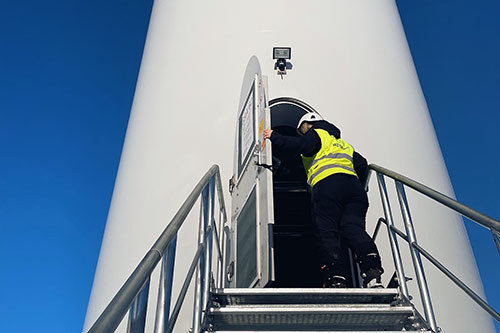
(312, 308)
(231, 296)
(322, 331)
(343, 318)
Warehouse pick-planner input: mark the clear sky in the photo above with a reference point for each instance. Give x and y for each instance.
(67, 77)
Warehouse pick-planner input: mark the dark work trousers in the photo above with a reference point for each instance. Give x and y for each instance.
(339, 206)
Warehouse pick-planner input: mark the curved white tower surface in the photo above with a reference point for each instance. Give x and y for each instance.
(351, 62)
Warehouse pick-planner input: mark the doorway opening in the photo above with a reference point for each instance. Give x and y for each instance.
(295, 247)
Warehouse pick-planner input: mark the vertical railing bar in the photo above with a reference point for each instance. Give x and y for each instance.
(377, 228)
(220, 255)
(184, 288)
(165, 287)
(225, 241)
(396, 254)
(220, 262)
(160, 303)
(472, 214)
(222, 207)
(132, 313)
(415, 256)
(121, 303)
(137, 314)
(205, 288)
(220, 192)
(223, 259)
(217, 245)
(199, 275)
(367, 180)
(197, 298)
(475, 297)
(208, 248)
(496, 238)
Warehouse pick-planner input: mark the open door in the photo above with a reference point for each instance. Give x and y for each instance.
(251, 258)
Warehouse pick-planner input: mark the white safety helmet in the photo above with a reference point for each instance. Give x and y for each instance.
(309, 117)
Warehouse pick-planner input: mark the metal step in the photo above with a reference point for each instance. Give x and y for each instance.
(237, 296)
(312, 331)
(301, 317)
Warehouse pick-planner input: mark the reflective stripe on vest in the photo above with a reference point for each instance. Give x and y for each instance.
(334, 156)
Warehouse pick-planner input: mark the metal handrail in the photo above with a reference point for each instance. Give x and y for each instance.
(112, 316)
(138, 282)
(396, 230)
(446, 272)
(184, 289)
(410, 237)
(472, 214)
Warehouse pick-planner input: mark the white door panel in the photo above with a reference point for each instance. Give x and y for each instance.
(252, 195)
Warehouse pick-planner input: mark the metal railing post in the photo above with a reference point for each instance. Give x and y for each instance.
(221, 230)
(472, 214)
(226, 243)
(475, 297)
(121, 303)
(165, 288)
(201, 264)
(137, 313)
(220, 262)
(415, 256)
(396, 254)
(377, 228)
(496, 238)
(208, 247)
(184, 289)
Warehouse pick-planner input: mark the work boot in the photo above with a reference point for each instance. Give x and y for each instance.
(372, 278)
(332, 278)
(368, 261)
(335, 281)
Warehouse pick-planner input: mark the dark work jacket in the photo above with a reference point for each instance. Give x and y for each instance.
(329, 127)
(310, 143)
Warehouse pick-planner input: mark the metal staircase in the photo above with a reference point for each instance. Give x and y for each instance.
(219, 309)
(311, 309)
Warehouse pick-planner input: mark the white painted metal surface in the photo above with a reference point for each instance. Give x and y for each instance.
(250, 153)
(350, 61)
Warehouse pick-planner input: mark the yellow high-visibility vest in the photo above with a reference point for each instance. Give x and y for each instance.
(334, 156)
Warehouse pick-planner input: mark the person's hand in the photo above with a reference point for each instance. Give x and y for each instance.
(267, 133)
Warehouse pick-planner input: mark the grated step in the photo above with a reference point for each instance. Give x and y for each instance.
(313, 331)
(299, 317)
(235, 296)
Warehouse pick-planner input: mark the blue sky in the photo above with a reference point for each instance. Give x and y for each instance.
(67, 78)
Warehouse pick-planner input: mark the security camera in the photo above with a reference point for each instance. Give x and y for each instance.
(281, 64)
